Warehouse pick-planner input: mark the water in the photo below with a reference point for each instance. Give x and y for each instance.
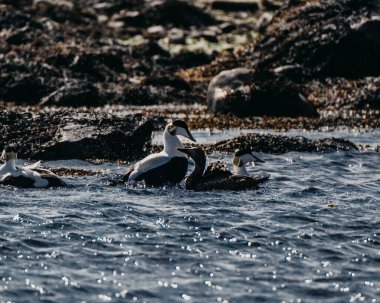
(311, 234)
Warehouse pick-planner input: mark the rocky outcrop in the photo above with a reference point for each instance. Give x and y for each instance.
(234, 91)
(278, 144)
(306, 42)
(323, 38)
(83, 135)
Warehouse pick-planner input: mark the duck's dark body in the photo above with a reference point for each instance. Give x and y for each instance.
(170, 173)
(232, 182)
(217, 176)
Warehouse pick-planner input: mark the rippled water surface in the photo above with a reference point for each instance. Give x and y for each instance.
(311, 234)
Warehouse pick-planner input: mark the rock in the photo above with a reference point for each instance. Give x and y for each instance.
(323, 37)
(140, 95)
(357, 54)
(225, 83)
(175, 13)
(25, 90)
(80, 135)
(232, 92)
(233, 5)
(279, 99)
(278, 144)
(74, 93)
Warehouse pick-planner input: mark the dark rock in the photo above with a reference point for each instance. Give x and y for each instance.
(187, 59)
(277, 144)
(75, 94)
(320, 36)
(235, 5)
(80, 135)
(25, 90)
(233, 92)
(357, 54)
(173, 81)
(63, 11)
(278, 100)
(102, 141)
(174, 13)
(141, 95)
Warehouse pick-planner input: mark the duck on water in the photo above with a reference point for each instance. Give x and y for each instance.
(220, 179)
(31, 176)
(167, 167)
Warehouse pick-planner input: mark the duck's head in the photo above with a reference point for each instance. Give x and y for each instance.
(179, 128)
(245, 156)
(9, 153)
(195, 153)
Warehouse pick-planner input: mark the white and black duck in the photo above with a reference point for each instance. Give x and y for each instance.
(31, 176)
(242, 157)
(216, 176)
(167, 167)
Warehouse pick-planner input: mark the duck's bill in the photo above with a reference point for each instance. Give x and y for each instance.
(183, 150)
(184, 131)
(190, 136)
(257, 159)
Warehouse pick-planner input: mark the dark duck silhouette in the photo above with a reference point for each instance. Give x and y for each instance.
(167, 167)
(31, 176)
(216, 177)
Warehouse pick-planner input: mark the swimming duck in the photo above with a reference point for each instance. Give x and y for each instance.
(167, 167)
(216, 178)
(241, 158)
(31, 176)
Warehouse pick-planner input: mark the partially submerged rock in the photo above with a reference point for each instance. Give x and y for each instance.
(278, 144)
(63, 135)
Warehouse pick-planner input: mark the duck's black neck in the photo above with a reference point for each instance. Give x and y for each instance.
(196, 176)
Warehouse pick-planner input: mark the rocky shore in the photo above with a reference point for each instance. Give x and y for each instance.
(92, 79)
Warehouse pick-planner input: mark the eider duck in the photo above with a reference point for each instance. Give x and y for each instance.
(167, 167)
(216, 179)
(241, 158)
(28, 176)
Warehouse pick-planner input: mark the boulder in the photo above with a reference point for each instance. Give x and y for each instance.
(78, 135)
(225, 83)
(234, 91)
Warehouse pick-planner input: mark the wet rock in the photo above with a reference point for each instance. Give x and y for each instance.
(233, 92)
(83, 135)
(74, 93)
(278, 144)
(232, 5)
